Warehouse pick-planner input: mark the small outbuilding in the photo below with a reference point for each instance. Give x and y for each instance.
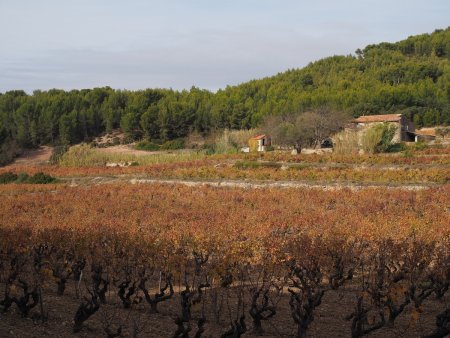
(425, 134)
(259, 142)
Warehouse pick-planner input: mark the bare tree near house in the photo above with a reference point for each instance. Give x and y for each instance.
(308, 129)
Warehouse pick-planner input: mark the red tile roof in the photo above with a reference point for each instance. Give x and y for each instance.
(378, 118)
(258, 137)
(426, 132)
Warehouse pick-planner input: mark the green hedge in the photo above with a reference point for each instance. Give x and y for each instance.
(147, 145)
(173, 145)
(7, 177)
(38, 178)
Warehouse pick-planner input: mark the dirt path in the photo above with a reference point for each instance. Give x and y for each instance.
(33, 157)
(128, 149)
(359, 166)
(125, 149)
(76, 181)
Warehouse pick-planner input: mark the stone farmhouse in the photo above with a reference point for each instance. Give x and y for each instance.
(405, 129)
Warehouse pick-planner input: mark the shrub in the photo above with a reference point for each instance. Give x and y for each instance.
(269, 148)
(146, 145)
(173, 144)
(378, 138)
(396, 147)
(22, 178)
(82, 155)
(8, 151)
(209, 149)
(299, 166)
(408, 153)
(254, 165)
(240, 137)
(388, 132)
(194, 141)
(115, 141)
(371, 138)
(223, 143)
(346, 142)
(40, 178)
(271, 165)
(129, 139)
(230, 141)
(443, 132)
(421, 145)
(7, 177)
(247, 165)
(57, 153)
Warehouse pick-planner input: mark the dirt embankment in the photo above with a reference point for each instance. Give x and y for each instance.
(33, 157)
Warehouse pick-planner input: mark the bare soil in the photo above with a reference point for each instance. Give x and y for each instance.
(128, 149)
(34, 157)
(244, 184)
(125, 149)
(329, 319)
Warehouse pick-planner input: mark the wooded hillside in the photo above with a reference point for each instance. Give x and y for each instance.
(411, 76)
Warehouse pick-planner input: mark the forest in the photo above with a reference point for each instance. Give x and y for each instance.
(411, 76)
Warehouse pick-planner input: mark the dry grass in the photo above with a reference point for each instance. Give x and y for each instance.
(85, 156)
(346, 143)
(232, 140)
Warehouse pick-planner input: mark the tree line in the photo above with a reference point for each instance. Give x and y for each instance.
(410, 76)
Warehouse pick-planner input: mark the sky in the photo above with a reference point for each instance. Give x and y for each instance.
(137, 44)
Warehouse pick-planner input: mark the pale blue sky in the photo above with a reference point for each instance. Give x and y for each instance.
(138, 44)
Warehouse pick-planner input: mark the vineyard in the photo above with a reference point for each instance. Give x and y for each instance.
(156, 260)
(429, 167)
(313, 203)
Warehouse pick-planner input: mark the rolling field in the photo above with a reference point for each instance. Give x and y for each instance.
(93, 255)
(428, 167)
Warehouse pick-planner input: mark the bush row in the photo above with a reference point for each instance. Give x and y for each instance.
(38, 178)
